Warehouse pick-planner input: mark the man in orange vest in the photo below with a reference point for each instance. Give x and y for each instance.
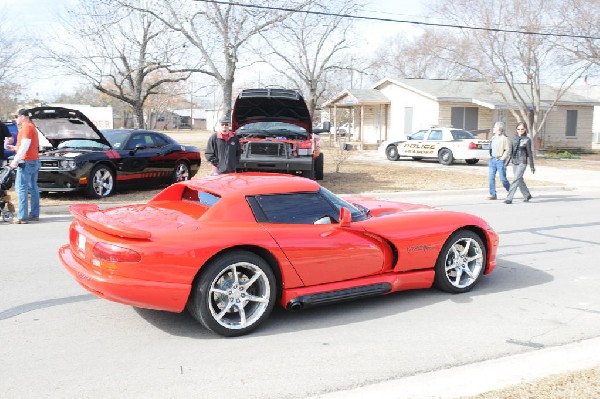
(27, 163)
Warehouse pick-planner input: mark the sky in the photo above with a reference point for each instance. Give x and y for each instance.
(40, 14)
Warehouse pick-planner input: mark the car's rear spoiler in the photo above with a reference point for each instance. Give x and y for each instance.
(90, 215)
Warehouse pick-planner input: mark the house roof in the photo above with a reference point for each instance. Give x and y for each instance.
(485, 94)
(352, 97)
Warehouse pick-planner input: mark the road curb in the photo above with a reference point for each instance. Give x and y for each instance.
(486, 376)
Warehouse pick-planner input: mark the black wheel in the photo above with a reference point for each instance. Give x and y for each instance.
(445, 156)
(471, 161)
(181, 172)
(309, 174)
(234, 294)
(101, 182)
(7, 216)
(460, 263)
(319, 167)
(392, 152)
(417, 158)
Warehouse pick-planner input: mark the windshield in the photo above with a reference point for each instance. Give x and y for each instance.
(357, 214)
(275, 128)
(83, 144)
(116, 138)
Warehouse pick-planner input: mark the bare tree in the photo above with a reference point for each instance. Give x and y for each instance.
(425, 56)
(10, 64)
(307, 47)
(581, 19)
(220, 32)
(517, 64)
(124, 54)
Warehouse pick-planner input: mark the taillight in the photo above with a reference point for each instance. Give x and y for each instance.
(73, 236)
(472, 146)
(110, 253)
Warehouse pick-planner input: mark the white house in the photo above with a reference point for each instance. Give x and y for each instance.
(394, 108)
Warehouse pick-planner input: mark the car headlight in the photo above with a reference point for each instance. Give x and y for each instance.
(67, 164)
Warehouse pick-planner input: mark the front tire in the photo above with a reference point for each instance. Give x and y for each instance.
(461, 262)
(101, 183)
(234, 294)
(445, 157)
(319, 167)
(391, 152)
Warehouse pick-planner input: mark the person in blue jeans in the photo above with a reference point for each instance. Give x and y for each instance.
(27, 162)
(499, 153)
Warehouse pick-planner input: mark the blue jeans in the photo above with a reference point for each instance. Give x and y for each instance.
(25, 185)
(497, 165)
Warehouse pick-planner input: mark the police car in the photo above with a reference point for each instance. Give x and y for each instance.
(441, 143)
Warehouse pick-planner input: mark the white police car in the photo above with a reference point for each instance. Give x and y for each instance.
(441, 143)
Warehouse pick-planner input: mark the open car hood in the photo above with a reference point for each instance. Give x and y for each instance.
(58, 124)
(276, 105)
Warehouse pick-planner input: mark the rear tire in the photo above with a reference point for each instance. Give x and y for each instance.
(445, 156)
(471, 161)
(181, 172)
(234, 293)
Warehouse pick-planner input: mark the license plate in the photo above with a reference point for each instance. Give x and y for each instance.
(81, 243)
(485, 146)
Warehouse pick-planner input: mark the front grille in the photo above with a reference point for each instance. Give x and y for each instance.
(267, 149)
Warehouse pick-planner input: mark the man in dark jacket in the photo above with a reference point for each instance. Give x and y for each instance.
(223, 150)
(5, 138)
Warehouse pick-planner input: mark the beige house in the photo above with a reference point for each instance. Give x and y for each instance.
(395, 108)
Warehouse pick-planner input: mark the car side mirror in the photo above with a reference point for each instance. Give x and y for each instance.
(345, 217)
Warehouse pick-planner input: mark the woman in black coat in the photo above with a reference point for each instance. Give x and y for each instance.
(521, 155)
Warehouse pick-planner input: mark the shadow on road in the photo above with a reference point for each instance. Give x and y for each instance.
(507, 276)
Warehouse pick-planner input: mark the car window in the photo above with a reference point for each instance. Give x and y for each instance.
(420, 135)
(294, 208)
(140, 139)
(158, 140)
(435, 135)
(461, 135)
(202, 197)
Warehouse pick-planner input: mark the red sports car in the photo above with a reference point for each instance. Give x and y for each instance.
(228, 247)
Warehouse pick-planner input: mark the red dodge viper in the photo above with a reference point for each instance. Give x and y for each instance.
(228, 247)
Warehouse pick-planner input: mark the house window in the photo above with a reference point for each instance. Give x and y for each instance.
(464, 117)
(571, 123)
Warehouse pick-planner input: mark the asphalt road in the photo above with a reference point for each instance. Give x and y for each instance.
(59, 341)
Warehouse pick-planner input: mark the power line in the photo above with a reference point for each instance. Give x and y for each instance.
(404, 21)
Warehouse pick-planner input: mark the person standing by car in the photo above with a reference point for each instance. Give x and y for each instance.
(499, 152)
(521, 155)
(27, 163)
(5, 139)
(223, 149)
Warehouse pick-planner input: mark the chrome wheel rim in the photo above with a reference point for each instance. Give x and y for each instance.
(239, 295)
(464, 262)
(102, 182)
(182, 172)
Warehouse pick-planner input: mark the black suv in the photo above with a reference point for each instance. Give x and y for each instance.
(275, 130)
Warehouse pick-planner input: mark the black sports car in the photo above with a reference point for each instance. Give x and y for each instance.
(83, 158)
